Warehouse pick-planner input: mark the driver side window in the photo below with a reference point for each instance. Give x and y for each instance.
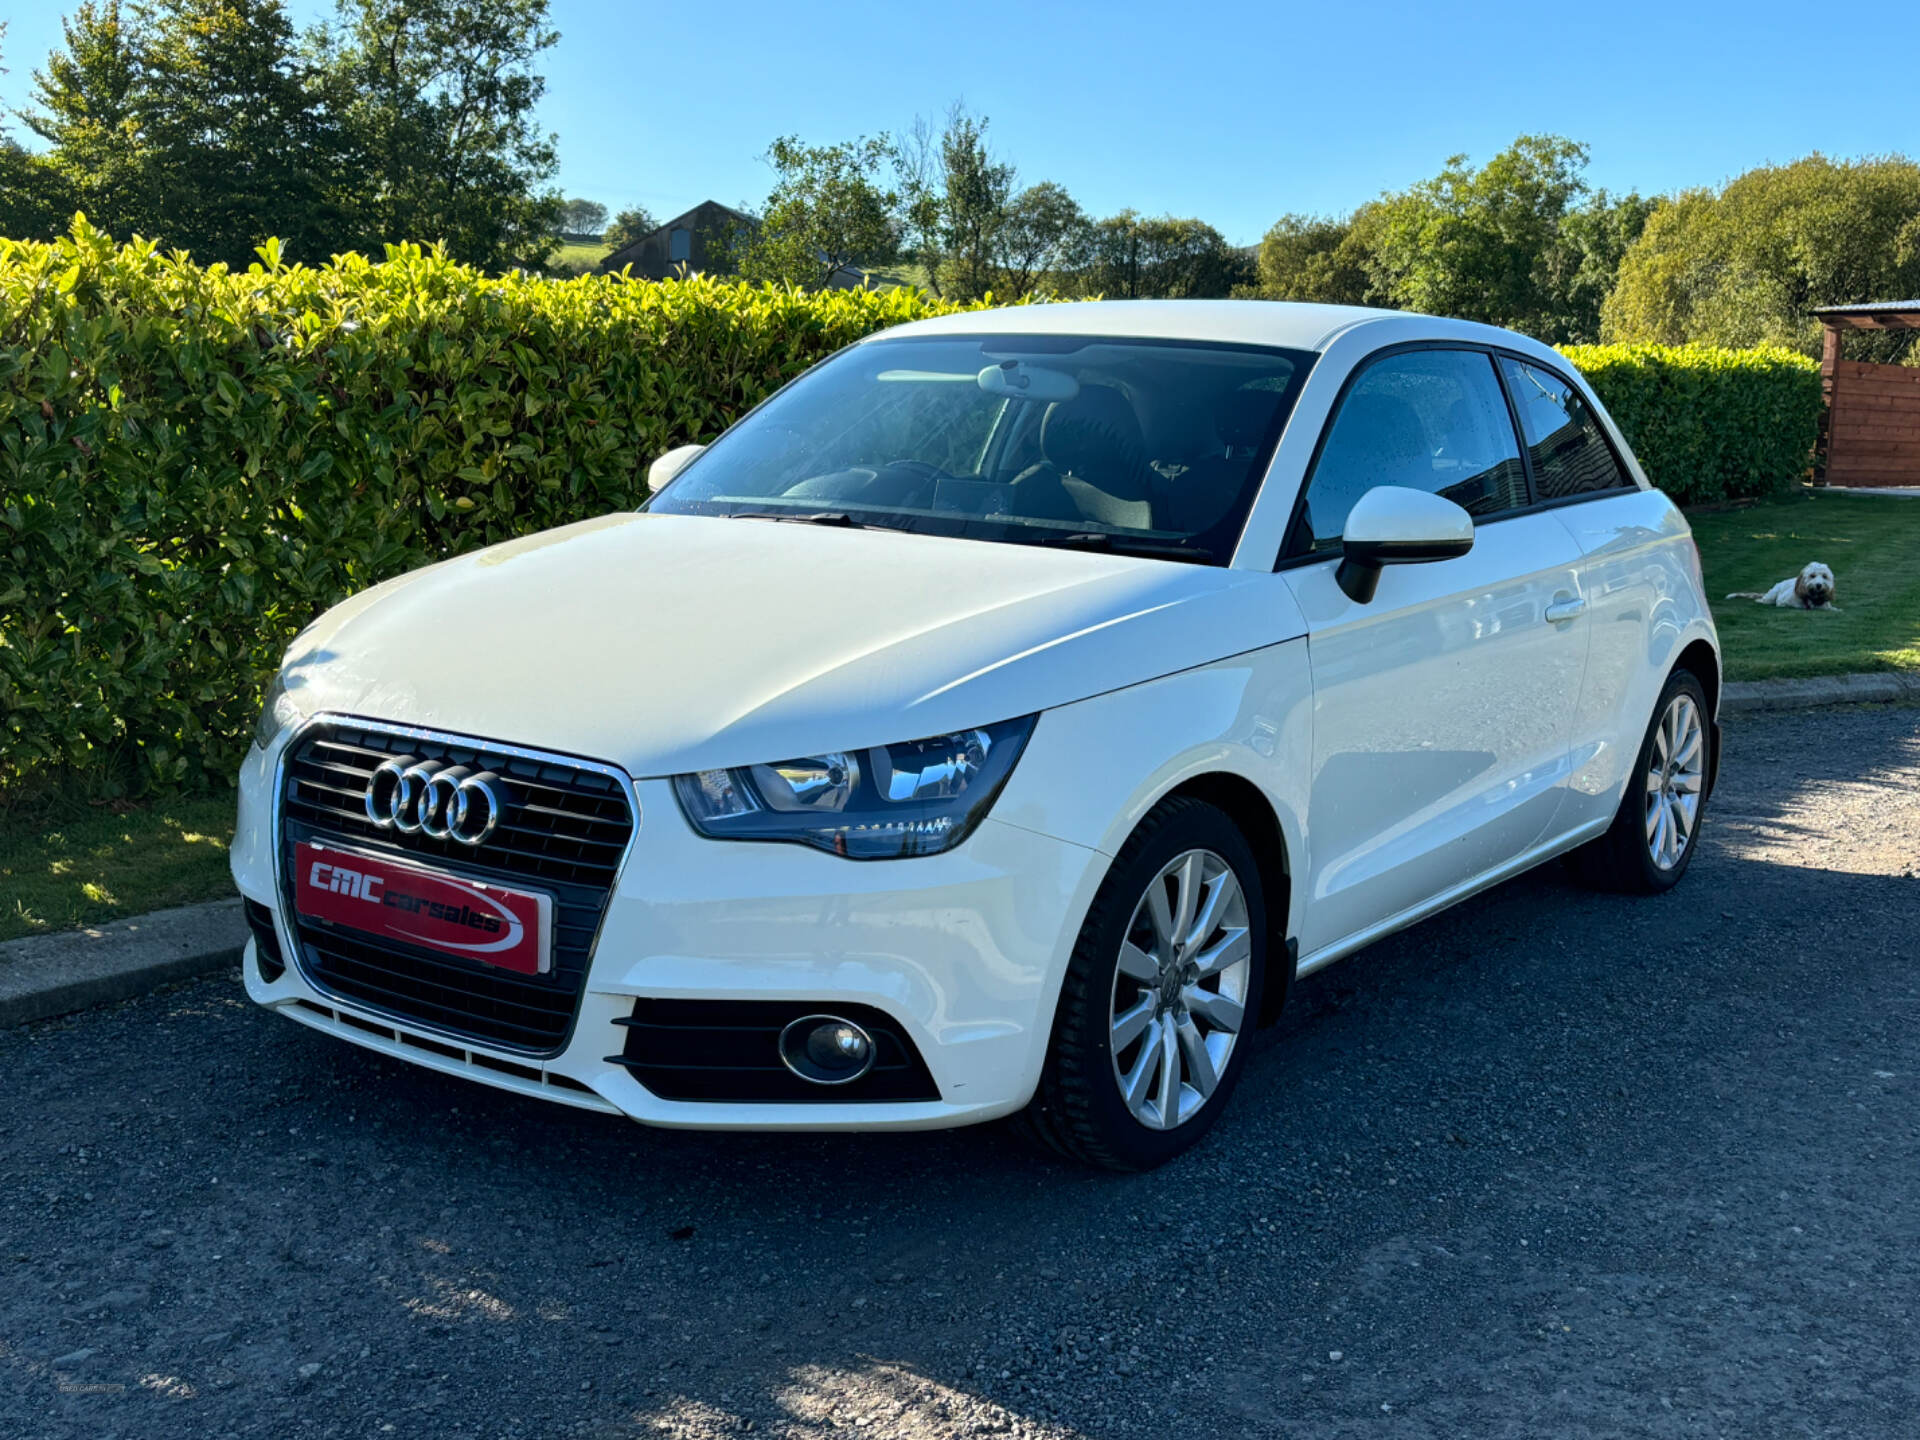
(1432, 420)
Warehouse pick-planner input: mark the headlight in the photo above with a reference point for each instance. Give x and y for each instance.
(277, 713)
(916, 798)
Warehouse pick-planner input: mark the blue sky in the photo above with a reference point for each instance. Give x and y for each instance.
(1234, 111)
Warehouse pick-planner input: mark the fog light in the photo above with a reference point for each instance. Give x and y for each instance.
(826, 1049)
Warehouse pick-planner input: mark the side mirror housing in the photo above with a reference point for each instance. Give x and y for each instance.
(1392, 525)
(660, 474)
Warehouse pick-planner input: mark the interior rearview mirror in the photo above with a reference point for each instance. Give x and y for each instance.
(1021, 380)
(670, 464)
(1392, 525)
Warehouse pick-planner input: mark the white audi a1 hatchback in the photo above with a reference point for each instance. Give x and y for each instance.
(994, 721)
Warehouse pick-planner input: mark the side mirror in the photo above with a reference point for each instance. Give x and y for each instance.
(1392, 525)
(662, 471)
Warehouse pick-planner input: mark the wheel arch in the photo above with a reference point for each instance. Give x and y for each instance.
(1702, 661)
(1244, 803)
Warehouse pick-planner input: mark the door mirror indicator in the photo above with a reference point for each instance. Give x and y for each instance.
(660, 474)
(1393, 525)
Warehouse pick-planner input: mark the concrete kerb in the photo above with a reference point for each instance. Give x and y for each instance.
(47, 975)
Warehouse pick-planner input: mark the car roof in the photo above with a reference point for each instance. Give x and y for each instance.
(1284, 323)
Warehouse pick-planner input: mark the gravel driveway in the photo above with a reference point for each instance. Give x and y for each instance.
(1552, 1164)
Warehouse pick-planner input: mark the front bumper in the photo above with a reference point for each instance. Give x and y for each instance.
(963, 951)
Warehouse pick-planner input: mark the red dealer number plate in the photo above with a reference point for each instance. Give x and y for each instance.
(489, 923)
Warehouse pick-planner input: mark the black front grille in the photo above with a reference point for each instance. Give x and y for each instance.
(564, 832)
(730, 1050)
(563, 824)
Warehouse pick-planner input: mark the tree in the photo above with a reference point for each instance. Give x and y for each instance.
(88, 107)
(1747, 264)
(1043, 238)
(1479, 243)
(1518, 242)
(921, 186)
(240, 150)
(976, 189)
(193, 122)
(583, 217)
(1138, 257)
(630, 225)
(955, 197)
(1584, 266)
(211, 125)
(1322, 259)
(826, 215)
(437, 100)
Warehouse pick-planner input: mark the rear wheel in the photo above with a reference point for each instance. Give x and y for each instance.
(1653, 837)
(1164, 983)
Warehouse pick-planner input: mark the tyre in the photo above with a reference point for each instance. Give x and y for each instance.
(1652, 839)
(1160, 997)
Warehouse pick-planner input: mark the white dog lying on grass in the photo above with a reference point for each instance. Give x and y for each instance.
(1811, 589)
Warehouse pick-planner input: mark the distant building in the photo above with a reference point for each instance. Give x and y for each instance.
(698, 240)
(701, 240)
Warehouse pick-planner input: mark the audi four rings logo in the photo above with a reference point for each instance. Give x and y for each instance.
(446, 802)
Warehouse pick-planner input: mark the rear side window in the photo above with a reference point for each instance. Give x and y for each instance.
(1431, 420)
(1570, 455)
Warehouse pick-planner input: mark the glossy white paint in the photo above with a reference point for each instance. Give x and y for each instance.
(1474, 718)
(779, 640)
(1395, 516)
(660, 474)
(1441, 717)
(1640, 576)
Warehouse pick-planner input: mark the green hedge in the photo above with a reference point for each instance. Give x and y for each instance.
(195, 462)
(1706, 423)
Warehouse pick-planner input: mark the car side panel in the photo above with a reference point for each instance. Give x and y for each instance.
(1644, 600)
(1442, 711)
(1094, 769)
(250, 857)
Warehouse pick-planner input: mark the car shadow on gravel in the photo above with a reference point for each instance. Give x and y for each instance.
(1554, 1162)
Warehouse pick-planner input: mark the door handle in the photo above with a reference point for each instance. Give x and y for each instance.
(1561, 611)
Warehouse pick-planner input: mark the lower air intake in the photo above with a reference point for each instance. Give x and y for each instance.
(729, 1050)
(266, 941)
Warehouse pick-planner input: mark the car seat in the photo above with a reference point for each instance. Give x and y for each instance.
(1095, 465)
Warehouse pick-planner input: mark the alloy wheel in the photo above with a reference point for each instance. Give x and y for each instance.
(1676, 768)
(1180, 990)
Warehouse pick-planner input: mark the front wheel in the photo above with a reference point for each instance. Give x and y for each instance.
(1654, 835)
(1164, 984)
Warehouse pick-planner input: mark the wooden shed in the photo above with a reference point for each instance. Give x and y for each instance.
(1870, 434)
(699, 240)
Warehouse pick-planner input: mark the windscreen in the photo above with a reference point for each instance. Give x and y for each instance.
(1141, 446)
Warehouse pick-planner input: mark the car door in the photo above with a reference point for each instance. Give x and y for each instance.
(1634, 557)
(1442, 706)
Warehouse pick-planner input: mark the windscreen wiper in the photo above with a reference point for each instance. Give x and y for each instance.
(1130, 545)
(837, 518)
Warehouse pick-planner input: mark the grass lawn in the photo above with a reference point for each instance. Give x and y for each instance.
(583, 256)
(1873, 544)
(886, 277)
(85, 865)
